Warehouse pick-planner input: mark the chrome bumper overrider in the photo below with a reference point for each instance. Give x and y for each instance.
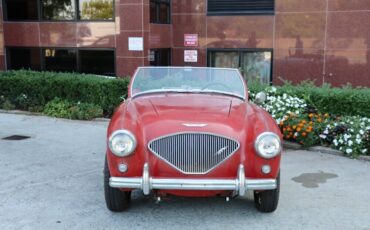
(147, 183)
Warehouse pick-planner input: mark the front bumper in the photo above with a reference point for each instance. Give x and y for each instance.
(146, 183)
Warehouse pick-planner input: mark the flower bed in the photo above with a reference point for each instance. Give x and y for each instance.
(300, 122)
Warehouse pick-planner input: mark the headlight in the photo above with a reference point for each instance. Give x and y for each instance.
(268, 145)
(122, 143)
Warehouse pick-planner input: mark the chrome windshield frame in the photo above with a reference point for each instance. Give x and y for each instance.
(164, 91)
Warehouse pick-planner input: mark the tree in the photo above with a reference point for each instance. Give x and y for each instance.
(97, 9)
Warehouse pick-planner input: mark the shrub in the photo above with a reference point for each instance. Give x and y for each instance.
(30, 89)
(6, 104)
(279, 106)
(346, 101)
(65, 109)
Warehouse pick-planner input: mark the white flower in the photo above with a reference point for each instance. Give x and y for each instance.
(361, 132)
(346, 136)
(335, 142)
(322, 136)
(350, 143)
(349, 151)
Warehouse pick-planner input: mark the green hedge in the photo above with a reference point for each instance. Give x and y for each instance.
(346, 101)
(31, 90)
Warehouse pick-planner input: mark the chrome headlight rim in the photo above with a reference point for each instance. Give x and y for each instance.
(260, 138)
(124, 132)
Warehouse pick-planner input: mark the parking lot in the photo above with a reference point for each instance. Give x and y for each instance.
(54, 180)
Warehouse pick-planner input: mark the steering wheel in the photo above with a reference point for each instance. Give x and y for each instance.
(217, 83)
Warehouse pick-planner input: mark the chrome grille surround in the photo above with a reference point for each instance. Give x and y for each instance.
(194, 152)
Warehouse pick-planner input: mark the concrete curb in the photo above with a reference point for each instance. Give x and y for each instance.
(327, 150)
(364, 158)
(27, 113)
(321, 149)
(20, 112)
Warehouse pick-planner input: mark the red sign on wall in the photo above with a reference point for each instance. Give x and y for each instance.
(191, 40)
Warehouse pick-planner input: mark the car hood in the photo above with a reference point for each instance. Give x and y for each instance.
(195, 107)
(159, 115)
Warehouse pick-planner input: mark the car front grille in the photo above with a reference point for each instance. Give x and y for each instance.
(194, 153)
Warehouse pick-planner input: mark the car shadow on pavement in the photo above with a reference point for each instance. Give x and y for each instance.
(171, 204)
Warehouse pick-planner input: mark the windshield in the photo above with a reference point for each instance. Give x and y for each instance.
(188, 80)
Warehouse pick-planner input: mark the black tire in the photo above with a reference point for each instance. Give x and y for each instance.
(116, 200)
(267, 201)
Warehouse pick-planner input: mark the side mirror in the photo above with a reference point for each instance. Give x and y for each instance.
(261, 97)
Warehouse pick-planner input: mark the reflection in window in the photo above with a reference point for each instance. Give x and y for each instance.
(225, 59)
(160, 11)
(64, 60)
(21, 9)
(254, 65)
(58, 9)
(97, 62)
(24, 58)
(96, 9)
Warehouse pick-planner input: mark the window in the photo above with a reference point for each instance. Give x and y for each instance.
(58, 9)
(21, 10)
(89, 10)
(24, 58)
(160, 57)
(100, 62)
(64, 60)
(255, 65)
(160, 11)
(97, 62)
(239, 7)
(96, 9)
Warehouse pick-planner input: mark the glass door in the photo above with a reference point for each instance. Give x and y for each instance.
(255, 65)
(225, 59)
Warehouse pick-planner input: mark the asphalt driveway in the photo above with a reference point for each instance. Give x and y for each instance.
(54, 180)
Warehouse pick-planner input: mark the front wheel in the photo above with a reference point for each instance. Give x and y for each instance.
(116, 200)
(267, 201)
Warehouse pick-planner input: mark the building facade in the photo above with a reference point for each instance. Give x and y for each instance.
(327, 41)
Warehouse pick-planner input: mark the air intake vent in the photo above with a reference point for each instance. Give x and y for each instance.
(235, 7)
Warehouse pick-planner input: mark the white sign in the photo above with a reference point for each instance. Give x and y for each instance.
(191, 56)
(135, 44)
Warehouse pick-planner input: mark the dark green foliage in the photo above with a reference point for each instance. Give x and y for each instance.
(30, 90)
(78, 111)
(346, 101)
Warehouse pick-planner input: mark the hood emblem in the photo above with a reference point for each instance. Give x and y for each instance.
(194, 125)
(222, 150)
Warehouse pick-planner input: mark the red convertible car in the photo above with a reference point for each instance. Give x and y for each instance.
(191, 132)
